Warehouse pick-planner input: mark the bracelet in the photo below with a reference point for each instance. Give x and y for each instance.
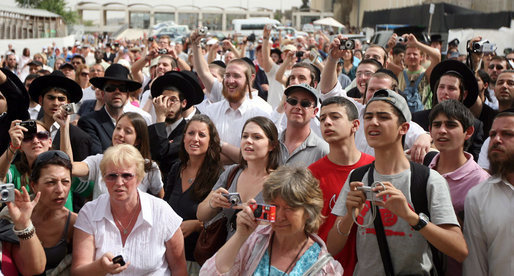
(13, 152)
(16, 148)
(26, 233)
(339, 231)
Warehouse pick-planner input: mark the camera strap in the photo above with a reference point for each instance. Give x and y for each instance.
(380, 233)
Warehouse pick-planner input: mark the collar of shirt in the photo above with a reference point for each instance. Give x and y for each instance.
(191, 114)
(112, 119)
(53, 129)
(171, 127)
(241, 109)
(458, 174)
(497, 180)
(107, 214)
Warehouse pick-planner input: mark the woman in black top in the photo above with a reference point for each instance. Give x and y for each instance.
(192, 177)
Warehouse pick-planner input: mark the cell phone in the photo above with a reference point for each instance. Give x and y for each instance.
(264, 212)
(233, 198)
(118, 260)
(29, 125)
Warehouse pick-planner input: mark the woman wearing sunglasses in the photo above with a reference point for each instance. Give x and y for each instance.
(130, 129)
(82, 76)
(260, 155)
(127, 230)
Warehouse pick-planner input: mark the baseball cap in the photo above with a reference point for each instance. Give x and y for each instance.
(305, 87)
(394, 99)
(289, 47)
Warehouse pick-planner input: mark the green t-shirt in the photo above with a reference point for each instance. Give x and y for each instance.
(84, 188)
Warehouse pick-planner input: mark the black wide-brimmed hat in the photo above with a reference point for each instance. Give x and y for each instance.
(11, 76)
(460, 69)
(116, 72)
(185, 81)
(55, 79)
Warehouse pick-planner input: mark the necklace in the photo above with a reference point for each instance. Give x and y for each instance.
(295, 258)
(190, 180)
(125, 230)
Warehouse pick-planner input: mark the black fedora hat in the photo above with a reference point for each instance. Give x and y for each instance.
(460, 69)
(185, 81)
(116, 72)
(56, 79)
(11, 76)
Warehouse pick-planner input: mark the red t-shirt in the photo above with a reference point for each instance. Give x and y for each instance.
(331, 180)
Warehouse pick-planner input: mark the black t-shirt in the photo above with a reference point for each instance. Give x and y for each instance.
(487, 116)
(354, 93)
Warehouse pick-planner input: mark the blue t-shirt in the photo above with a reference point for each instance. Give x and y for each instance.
(303, 264)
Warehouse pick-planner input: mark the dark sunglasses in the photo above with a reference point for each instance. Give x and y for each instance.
(498, 67)
(84, 74)
(47, 155)
(303, 103)
(42, 135)
(111, 88)
(111, 177)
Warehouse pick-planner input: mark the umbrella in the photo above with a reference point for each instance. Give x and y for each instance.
(328, 21)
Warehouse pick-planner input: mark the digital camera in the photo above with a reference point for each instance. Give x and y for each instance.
(233, 198)
(370, 194)
(271, 27)
(70, 108)
(29, 125)
(162, 51)
(401, 39)
(6, 192)
(347, 44)
(264, 212)
(202, 30)
(483, 46)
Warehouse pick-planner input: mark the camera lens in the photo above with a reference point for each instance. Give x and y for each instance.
(4, 194)
(349, 44)
(476, 45)
(258, 211)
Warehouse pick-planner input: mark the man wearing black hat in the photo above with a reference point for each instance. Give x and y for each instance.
(53, 91)
(172, 94)
(115, 87)
(34, 66)
(68, 70)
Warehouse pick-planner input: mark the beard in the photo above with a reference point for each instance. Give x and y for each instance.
(234, 97)
(501, 166)
(170, 119)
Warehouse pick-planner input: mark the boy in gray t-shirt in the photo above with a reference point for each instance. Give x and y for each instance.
(385, 122)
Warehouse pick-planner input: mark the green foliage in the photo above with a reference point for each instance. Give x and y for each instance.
(55, 6)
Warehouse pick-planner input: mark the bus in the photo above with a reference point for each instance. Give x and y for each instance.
(253, 25)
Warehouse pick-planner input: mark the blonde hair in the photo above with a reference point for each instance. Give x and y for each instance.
(299, 189)
(123, 155)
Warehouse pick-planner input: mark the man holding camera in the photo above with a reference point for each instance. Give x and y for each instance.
(403, 246)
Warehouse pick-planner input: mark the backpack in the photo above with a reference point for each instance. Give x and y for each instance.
(411, 93)
(418, 193)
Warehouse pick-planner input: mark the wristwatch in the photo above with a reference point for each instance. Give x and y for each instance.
(423, 221)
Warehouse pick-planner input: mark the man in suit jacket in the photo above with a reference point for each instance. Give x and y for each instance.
(115, 86)
(172, 93)
(53, 91)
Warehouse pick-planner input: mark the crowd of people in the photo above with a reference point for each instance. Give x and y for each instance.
(120, 156)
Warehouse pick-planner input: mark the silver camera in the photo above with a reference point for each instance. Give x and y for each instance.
(233, 198)
(370, 194)
(347, 44)
(6, 192)
(70, 108)
(202, 30)
(401, 39)
(483, 46)
(270, 27)
(162, 51)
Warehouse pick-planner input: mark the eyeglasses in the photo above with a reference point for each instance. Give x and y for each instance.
(498, 66)
(303, 103)
(112, 177)
(42, 135)
(47, 155)
(111, 88)
(365, 73)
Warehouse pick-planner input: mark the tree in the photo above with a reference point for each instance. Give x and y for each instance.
(55, 6)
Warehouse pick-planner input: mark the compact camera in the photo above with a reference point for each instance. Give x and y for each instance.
(233, 198)
(264, 212)
(347, 44)
(483, 46)
(202, 30)
(162, 51)
(70, 108)
(270, 27)
(370, 194)
(401, 39)
(118, 260)
(6, 192)
(29, 125)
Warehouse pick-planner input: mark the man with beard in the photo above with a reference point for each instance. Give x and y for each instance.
(496, 66)
(488, 206)
(172, 93)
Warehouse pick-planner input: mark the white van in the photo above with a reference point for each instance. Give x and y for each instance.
(253, 25)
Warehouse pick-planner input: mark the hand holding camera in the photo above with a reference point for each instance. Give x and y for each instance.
(18, 130)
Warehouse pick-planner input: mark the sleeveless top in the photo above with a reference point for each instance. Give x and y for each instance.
(55, 254)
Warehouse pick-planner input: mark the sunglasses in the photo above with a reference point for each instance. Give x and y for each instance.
(498, 67)
(47, 155)
(111, 88)
(42, 135)
(303, 103)
(112, 177)
(84, 74)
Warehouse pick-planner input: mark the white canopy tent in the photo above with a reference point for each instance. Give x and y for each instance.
(328, 21)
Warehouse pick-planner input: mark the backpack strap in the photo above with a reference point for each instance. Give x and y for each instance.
(358, 173)
(419, 79)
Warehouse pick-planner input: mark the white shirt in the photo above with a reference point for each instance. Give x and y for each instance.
(276, 89)
(483, 160)
(229, 122)
(131, 108)
(88, 93)
(171, 127)
(145, 247)
(34, 111)
(488, 228)
(53, 130)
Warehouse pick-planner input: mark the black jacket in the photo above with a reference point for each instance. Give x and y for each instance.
(99, 126)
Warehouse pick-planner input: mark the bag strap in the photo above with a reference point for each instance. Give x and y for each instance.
(418, 80)
(380, 232)
(319, 264)
(358, 173)
(231, 176)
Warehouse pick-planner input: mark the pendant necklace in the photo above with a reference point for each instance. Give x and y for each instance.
(125, 231)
